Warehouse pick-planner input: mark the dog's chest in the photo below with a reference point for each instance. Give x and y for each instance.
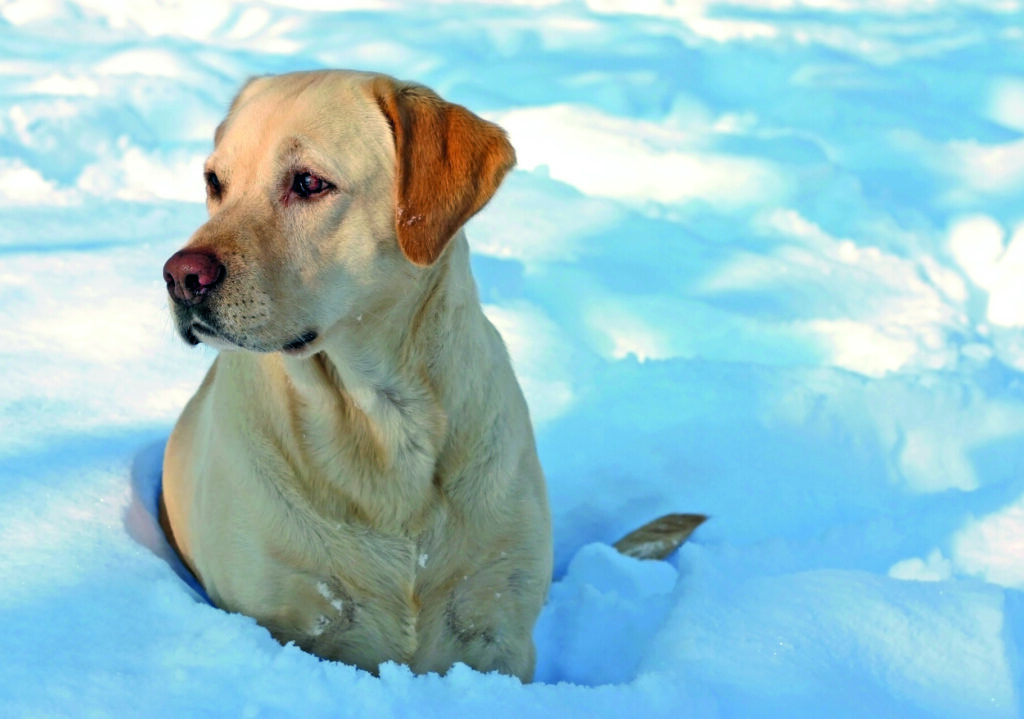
(371, 458)
(385, 569)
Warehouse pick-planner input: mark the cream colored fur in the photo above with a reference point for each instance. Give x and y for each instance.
(374, 495)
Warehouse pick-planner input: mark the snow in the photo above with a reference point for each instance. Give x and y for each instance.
(759, 260)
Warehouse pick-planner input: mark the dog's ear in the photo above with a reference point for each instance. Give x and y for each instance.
(449, 164)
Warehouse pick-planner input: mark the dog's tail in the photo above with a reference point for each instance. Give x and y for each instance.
(658, 539)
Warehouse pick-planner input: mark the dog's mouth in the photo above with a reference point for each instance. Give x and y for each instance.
(300, 342)
(196, 332)
(188, 332)
(189, 336)
(202, 328)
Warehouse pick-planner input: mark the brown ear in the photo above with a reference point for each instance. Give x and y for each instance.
(449, 164)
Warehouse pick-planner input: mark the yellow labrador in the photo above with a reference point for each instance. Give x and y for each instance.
(358, 470)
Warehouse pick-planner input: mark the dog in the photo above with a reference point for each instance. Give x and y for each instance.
(358, 470)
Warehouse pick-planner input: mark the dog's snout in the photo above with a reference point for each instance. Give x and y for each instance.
(190, 274)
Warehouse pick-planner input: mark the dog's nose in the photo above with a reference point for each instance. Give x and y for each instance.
(190, 274)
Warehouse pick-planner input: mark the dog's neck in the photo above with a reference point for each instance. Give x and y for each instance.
(396, 366)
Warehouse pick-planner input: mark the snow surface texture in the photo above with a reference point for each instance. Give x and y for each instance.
(761, 260)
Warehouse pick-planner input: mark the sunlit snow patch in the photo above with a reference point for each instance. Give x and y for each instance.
(882, 312)
(977, 243)
(23, 185)
(634, 160)
(137, 176)
(540, 356)
(933, 568)
(993, 546)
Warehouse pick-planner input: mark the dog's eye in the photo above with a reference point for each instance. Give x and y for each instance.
(213, 187)
(306, 185)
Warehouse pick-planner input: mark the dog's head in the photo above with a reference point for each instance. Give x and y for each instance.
(328, 194)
